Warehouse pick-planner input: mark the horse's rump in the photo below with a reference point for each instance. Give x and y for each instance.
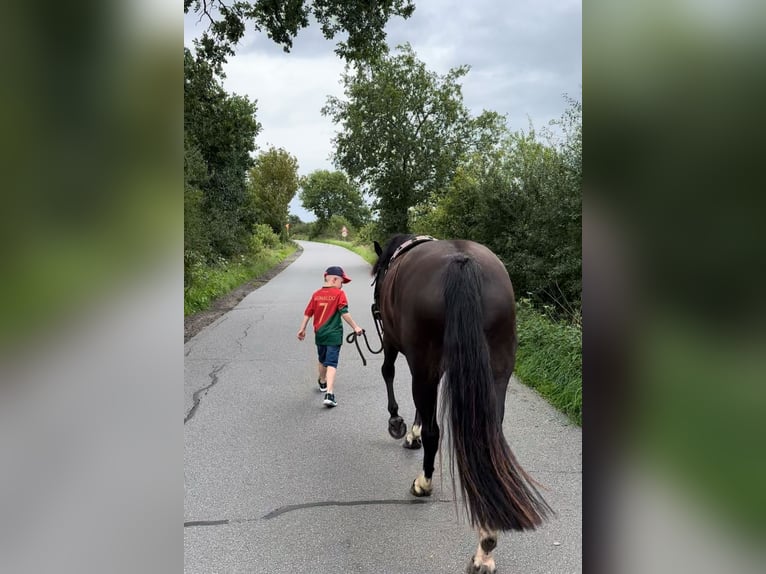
(412, 299)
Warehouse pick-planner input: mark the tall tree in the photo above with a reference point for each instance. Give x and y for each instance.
(363, 22)
(403, 132)
(196, 237)
(327, 193)
(222, 128)
(273, 183)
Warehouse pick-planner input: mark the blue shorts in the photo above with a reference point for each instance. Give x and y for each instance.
(328, 355)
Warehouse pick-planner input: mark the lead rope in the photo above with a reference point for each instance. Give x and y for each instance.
(353, 338)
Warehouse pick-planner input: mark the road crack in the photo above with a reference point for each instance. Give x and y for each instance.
(292, 507)
(246, 332)
(196, 396)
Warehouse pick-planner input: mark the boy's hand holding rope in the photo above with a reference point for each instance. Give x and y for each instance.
(354, 338)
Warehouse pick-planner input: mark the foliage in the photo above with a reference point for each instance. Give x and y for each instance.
(273, 183)
(196, 239)
(223, 126)
(404, 130)
(570, 124)
(327, 193)
(364, 250)
(364, 22)
(331, 228)
(367, 234)
(541, 209)
(523, 200)
(300, 230)
(219, 134)
(549, 359)
(211, 281)
(263, 238)
(337, 223)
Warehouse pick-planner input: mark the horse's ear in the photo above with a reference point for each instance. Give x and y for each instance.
(378, 250)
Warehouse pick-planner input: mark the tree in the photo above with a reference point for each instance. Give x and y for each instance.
(364, 22)
(222, 128)
(328, 193)
(273, 183)
(524, 202)
(196, 237)
(403, 133)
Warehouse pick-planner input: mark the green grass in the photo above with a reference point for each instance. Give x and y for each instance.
(213, 282)
(363, 251)
(549, 359)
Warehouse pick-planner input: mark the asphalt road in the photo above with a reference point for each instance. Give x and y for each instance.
(277, 483)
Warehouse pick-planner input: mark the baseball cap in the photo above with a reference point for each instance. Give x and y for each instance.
(337, 271)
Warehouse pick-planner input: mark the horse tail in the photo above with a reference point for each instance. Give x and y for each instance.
(496, 491)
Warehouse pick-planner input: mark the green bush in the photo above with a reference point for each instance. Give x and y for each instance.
(549, 359)
(330, 229)
(317, 229)
(221, 277)
(336, 223)
(194, 262)
(301, 229)
(263, 238)
(367, 234)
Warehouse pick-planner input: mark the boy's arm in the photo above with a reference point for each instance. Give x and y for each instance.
(302, 330)
(348, 319)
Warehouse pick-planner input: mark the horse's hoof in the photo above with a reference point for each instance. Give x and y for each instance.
(421, 494)
(414, 445)
(483, 569)
(397, 427)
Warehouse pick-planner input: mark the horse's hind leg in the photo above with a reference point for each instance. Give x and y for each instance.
(396, 426)
(482, 562)
(424, 393)
(412, 440)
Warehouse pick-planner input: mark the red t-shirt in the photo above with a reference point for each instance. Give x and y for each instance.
(326, 307)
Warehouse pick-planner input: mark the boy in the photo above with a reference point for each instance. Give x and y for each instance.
(328, 306)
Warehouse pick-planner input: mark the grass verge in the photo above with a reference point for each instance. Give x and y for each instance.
(213, 282)
(363, 251)
(549, 359)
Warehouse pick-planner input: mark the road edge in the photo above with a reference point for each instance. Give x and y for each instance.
(193, 324)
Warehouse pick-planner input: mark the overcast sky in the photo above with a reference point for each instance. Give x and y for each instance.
(524, 56)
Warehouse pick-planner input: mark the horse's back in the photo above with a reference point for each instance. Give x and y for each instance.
(418, 293)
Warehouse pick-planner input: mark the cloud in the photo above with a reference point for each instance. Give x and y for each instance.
(290, 91)
(523, 56)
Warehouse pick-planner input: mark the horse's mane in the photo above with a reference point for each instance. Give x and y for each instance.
(388, 251)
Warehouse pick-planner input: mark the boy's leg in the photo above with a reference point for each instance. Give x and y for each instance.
(322, 378)
(321, 369)
(330, 378)
(331, 365)
(322, 372)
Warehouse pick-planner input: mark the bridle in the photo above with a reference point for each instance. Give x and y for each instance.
(376, 282)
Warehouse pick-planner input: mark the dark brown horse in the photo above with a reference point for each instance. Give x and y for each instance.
(449, 308)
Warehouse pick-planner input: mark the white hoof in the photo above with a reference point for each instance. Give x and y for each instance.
(421, 486)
